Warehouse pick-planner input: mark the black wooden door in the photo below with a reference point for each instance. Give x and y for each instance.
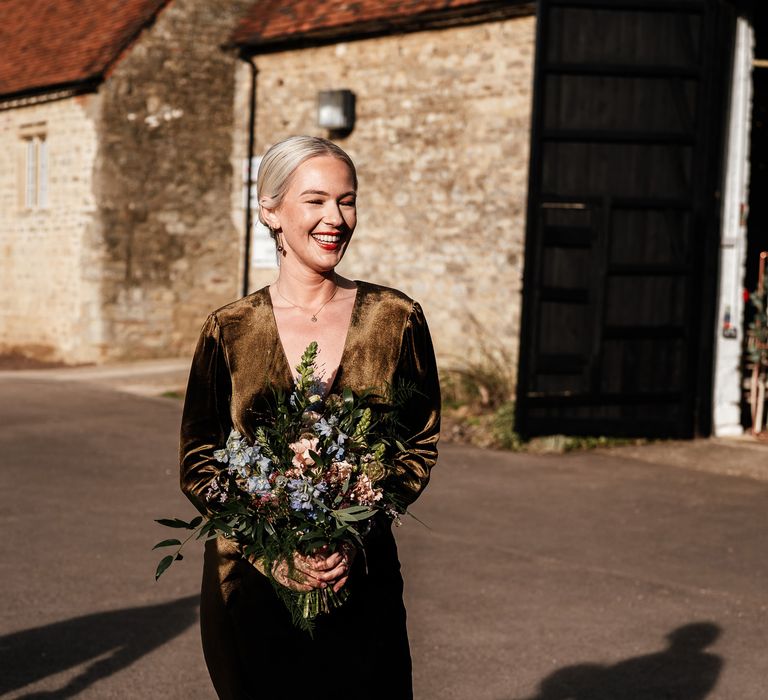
(623, 230)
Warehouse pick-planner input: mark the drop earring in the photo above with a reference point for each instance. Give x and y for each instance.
(276, 235)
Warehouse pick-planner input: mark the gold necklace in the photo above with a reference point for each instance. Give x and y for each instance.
(313, 318)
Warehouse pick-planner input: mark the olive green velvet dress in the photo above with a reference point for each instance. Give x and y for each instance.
(251, 647)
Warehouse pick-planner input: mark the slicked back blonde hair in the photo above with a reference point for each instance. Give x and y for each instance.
(281, 161)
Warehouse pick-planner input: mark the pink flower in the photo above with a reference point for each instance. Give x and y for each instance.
(301, 457)
(364, 493)
(338, 473)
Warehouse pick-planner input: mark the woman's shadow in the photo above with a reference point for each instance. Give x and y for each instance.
(682, 671)
(111, 641)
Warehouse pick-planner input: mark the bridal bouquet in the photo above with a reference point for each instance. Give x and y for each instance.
(310, 480)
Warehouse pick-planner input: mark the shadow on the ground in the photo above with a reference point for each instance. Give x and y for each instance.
(109, 640)
(682, 671)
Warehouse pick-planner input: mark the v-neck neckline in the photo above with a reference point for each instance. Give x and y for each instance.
(287, 370)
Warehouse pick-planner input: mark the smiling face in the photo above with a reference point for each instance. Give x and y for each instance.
(317, 214)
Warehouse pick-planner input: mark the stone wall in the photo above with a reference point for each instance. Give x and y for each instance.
(441, 143)
(164, 181)
(144, 232)
(138, 242)
(49, 292)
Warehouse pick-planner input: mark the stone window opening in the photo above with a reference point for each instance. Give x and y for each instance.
(33, 193)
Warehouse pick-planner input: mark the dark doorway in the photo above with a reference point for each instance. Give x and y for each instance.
(757, 221)
(623, 217)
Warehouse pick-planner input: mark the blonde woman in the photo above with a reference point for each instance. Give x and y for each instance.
(368, 336)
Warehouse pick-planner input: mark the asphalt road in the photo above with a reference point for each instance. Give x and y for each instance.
(579, 577)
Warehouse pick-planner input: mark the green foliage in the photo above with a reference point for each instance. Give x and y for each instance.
(484, 378)
(504, 433)
(306, 368)
(757, 346)
(476, 385)
(178, 523)
(478, 393)
(165, 562)
(173, 394)
(363, 425)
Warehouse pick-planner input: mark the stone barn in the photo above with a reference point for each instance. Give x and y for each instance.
(442, 100)
(564, 185)
(116, 129)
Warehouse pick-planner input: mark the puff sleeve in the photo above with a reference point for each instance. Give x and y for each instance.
(420, 417)
(206, 420)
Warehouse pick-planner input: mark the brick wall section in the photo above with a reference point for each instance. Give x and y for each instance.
(441, 143)
(49, 295)
(164, 182)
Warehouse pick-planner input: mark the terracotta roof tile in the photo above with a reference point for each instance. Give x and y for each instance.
(45, 43)
(273, 21)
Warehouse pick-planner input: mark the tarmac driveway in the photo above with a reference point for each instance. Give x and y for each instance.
(587, 576)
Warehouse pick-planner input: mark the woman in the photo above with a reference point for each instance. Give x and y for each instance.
(368, 336)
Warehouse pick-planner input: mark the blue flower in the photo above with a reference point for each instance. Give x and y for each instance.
(301, 494)
(258, 485)
(264, 464)
(336, 450)
(323, 427)
(243, 456)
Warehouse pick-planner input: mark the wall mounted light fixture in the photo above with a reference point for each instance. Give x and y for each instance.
(336, 110)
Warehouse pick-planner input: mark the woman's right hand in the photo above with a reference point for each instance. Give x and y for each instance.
(282, 574)
(302, 577)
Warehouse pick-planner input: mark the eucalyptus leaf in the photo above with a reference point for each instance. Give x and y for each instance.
(175, 522)
(165, 562)
(353, 510)
(167, 543)
(354, 514)
(207, 530)
(313, 535)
